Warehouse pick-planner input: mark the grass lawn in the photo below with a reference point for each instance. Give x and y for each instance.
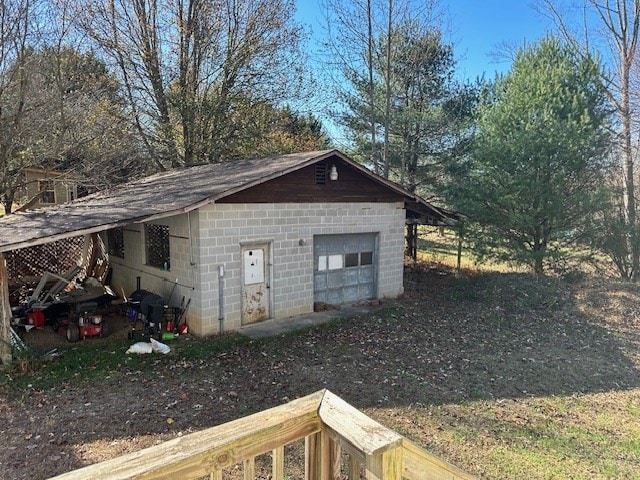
(505, 375)
(441, 248)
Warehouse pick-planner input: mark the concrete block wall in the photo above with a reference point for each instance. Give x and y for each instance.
(289, 230)
(184, 268)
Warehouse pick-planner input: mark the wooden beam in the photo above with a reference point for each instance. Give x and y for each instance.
(422, 465)
(363, 433)
(312, 457)
(327, 457)
(249, 468)
(386, 465)
(90, 266)
(198, 454)
(336, 461)
(5, 314)
(355, 467)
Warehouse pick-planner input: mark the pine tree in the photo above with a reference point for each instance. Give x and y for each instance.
(540, 158)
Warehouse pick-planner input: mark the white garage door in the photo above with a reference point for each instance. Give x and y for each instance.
(345, 268)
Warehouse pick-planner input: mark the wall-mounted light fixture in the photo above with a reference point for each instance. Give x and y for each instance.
(333, 174)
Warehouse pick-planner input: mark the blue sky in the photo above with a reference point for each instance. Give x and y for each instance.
(476, 27)
(480, 26)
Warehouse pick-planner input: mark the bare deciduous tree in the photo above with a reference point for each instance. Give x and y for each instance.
(614, 26)
(59, 107)
(17, 25)
(189, 67)
(352, 27)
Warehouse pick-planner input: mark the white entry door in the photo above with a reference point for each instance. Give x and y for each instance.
(255, 283)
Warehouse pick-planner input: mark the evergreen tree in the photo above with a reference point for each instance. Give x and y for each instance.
(429, 122)
(540, 161)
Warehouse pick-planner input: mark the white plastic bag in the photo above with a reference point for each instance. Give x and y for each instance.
(140, 347)
(159, 347)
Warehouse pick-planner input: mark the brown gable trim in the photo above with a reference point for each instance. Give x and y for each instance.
(312, 184)
(393, 189)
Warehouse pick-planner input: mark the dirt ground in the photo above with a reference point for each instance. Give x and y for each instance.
(451, 338)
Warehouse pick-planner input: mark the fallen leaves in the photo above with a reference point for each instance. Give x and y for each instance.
(450, 342)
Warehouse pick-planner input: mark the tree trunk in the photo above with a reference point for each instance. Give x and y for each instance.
(372, 93)
(5, 314)
(387, 108)
(7, 202)
(539, 250)
(620, 20)
(459, 253)
(629, 188)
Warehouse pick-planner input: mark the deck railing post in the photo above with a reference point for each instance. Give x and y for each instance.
(312, 457)
(330, 457)
(277, 460)
(355, 467)
(336, 460)
(322, 457)
(385, 466)
(249, 468)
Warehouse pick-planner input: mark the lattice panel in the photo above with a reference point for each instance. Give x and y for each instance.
(97, 263)
(157, 240)
(54, 257)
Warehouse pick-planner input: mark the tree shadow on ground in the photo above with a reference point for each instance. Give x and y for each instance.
(484, 336)
(450, 339)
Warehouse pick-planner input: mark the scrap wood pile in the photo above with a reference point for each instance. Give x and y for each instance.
(76, 307)
(70, 300)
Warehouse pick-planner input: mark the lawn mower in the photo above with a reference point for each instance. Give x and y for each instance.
(84, 321)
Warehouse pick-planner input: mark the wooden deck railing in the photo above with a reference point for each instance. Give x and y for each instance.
(339, 441)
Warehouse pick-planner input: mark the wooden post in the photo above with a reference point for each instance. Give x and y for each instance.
(329, 457)
(385, 466)
(311, 456)
(5, 313)
(336, 460)
(277, 462)
(93, 260)
(249, 469)
(355, 468)
(459, 247)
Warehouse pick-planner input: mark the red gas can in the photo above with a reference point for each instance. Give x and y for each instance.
(36, 318)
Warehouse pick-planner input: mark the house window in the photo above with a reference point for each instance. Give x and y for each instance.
(48, 193)
(335, 262)
(115, 239)
(157, 246)
(72, 192)
(329, 262)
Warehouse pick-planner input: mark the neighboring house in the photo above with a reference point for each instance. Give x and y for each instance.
(48, 187)
(245, 241)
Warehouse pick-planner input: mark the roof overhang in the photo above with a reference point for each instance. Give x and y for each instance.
(175, 192)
